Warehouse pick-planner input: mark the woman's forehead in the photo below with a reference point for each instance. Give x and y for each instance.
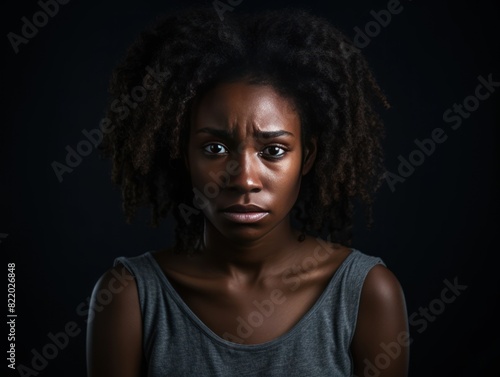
(257, 107)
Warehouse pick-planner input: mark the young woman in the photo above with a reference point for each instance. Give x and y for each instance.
(241, 129)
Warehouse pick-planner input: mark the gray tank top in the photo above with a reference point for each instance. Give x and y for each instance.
(177, 343)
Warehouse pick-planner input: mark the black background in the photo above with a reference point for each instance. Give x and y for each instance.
(441, 223)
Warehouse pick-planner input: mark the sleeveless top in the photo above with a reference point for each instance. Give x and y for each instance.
(177, 343)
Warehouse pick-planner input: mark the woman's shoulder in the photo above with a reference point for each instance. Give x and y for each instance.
(319, 251)
(381, 319)
(379, 284)
(118, 280)
(114, 324)
(370, 268)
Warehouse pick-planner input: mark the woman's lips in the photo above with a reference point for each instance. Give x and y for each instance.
(244, 217)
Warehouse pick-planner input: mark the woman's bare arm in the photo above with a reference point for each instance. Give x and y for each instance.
(380, 344)
(114, 329)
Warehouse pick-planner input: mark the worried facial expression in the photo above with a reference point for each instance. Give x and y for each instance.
(245, 158)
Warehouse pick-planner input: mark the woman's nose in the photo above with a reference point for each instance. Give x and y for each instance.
(247, 177)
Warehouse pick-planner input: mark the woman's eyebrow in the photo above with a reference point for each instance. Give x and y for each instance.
(271, 134)
(224, 134)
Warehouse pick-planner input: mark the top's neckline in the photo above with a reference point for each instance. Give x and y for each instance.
(259, 346)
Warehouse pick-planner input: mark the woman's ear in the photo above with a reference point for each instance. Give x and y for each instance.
(310, 155)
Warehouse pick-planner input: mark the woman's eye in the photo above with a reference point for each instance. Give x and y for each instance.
(275, 151)
(215, 148)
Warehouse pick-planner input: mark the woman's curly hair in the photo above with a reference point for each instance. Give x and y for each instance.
(301, 55)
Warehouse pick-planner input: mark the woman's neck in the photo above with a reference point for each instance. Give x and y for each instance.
(248, 261)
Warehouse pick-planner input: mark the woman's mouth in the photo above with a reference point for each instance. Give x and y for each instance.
(244, 217)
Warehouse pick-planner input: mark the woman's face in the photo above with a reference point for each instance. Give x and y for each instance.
(244, 149)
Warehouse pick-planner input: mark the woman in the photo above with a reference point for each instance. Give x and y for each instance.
(240, 128)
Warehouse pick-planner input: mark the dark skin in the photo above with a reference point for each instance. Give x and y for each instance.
(243, 262)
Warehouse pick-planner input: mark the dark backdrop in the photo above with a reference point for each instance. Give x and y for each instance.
(439, 225)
